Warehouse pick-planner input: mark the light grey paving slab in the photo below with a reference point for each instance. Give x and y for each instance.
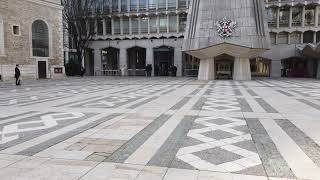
(311, 104)
(309, 147)
(169, 149)
(285, 93)
(272, 160)
(143, 102)
(17, 115)
(122, 154)
(42, 146)
(266, 106)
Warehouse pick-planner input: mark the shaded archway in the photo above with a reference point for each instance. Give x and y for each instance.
(260, 67)
(136, 57)
(163, 60)
(297, 67)
(110, 61)
(224, 66)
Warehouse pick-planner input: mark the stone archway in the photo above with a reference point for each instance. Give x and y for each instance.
(224, 66)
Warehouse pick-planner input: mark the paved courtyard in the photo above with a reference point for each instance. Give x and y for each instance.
(160, 128)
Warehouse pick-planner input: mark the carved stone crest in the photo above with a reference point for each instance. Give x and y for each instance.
(225, 27)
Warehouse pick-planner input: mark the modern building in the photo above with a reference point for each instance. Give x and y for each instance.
(277, 38)
(31, 36)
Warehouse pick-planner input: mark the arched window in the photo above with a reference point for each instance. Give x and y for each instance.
(308, 37)
(40, 39)
(295, 37)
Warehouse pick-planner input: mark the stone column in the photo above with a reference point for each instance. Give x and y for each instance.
(318, 71)
(290, 17)
(206, 70)
(303, 15)
(241, 69)
(178, 60)
(278, 17)
(314, 37)
(123, 61)
(97, 62)
(316, 16)
(149, 58)
(104, 27)
(276, 68)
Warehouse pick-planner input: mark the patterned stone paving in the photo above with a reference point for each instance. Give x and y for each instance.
(160, 128)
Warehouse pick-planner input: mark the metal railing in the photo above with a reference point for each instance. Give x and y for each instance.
(191, 72)
(108, 73)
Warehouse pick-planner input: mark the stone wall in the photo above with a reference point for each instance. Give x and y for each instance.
(18, 47)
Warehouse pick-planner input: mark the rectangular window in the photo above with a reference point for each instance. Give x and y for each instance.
(172, 4)
(310, 16)
(182, 3)
(115, 5)
(182, 22)
(16, 30)
(124, 6)
(173, 23)
(133, 5)
(143, 4)
(125, 25)
(162, 4)
(272, 17)
(116, 25)
(163, 24)
(153, 24)
(135, 25)
(296, 16)
(108, 26)
(284, 16)
(1, 38)
(100, 27)
(144, 25)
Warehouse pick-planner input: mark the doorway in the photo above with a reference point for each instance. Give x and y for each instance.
(224, 67)
(42, 69)
(163, 60)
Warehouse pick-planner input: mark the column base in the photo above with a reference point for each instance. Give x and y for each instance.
(206, 70)
(241, 69)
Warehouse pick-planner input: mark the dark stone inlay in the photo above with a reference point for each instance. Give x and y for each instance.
(217, 155)
(181, 103)
(143, 102)
(251, 92)
(308, 146)
(285, 93)
(73, 102)
(167, 92)
(122, 154)
(195, 92)
(17, 115)
(199, 104)
(245, 107)
(237, 92)
(256, 171)
(219, 134)
(45, 145)
(167, 152)
(266, 106)
(272, 160)
(311, 104)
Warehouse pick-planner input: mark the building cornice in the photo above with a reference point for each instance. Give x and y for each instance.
(47, 3)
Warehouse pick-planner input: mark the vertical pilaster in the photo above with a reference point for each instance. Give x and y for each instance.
(241, 69)
(112, 26)
(158, 24)
(206, 70)
(130, 25)
(104, 27)
(123, 60)
(148, 25)
(121, 25)
(128, 5)
(119, 5)
(290, 17)
(314, 37)
(178, 21)
(139, 25)
(303, 16)
(316, 16)
(278, 17)
(178, 60)
(97, 62)
(149, 57)
(301, 38)
(168, 30)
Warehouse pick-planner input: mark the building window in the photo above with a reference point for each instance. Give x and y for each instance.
(173, 23)
(295, 38)
(133, 5)
(296, 16)
(144, 25)
(16, 30)
(153, 24)
(99, 27)
(162, 4)
(163, 24)
(40, 39)
(172, 4)
(308, 37)
(182, 3)
(282, 38)
(143, 4)
(125, 25)
(309, 16)
(116, 26)
(182, 22)
(273, 38)
(135, 25)
(108, 26)
(124, 6)
(272, 17)
(284, 16)
(115, 5)
(2, 50)
(152, 4)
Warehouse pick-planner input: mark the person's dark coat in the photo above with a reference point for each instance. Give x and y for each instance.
(17, 72)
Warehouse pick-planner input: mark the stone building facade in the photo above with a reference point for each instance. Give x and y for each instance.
(280, 37)
(31, 36)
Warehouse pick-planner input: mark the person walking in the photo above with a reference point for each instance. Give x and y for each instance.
(17, 75)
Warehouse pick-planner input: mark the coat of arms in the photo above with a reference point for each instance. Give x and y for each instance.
(225, 27)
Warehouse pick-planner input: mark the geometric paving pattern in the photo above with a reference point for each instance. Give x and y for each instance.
(218, 144)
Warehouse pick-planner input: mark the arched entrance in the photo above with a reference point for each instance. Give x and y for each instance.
(110, 61)
(163, 60)
(299, 67)
(224, 66)
(136, 61)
